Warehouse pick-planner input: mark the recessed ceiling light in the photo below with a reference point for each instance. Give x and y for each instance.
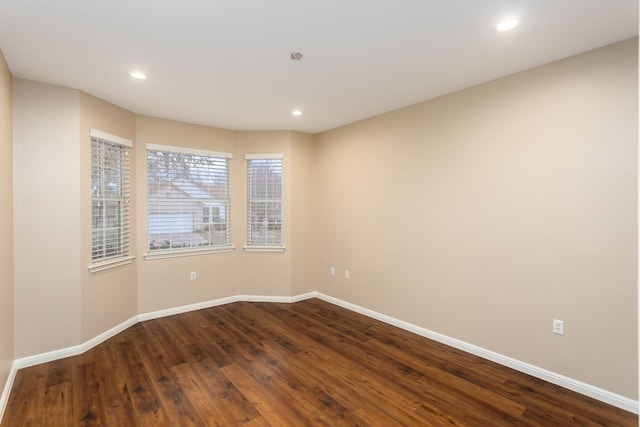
(138, 75)
(296, 112)
(508, 23)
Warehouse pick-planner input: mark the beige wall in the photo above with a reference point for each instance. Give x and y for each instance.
(302, 243)
(487, 213)
(165, 283)
(263, 273)
(58, 302)
(6, 225)
(79, 305)
(46, 217)
(108, 297)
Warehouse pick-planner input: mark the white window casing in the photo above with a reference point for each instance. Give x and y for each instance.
(188, 201)
(264, 202)
(110, 201)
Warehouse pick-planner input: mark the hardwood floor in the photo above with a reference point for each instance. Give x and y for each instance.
(304, 364)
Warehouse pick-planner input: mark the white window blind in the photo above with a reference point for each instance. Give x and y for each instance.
(187, 199)
(264, 199)
(110, 190)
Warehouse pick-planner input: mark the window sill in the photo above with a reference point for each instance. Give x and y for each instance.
(187, 252)
(264, 248)
(107, 265)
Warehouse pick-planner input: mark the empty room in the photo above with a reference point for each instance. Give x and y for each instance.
(319, 213)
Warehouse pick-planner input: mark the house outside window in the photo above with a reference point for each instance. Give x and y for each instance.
(188, 200)
(211, 215)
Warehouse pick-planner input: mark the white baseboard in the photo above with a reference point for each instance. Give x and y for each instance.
(543, 374)
(4, 399)
(108, 334)
(186, 308)
(25, 362)
(222, 301)
(50, 356)
(552, 377)
(303, 297)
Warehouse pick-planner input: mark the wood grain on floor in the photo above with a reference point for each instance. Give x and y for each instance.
(304, 364)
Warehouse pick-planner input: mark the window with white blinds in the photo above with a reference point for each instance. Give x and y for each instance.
(110, 189)
(264, 204)
(188, 199)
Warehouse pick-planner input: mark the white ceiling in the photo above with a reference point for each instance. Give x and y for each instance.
(225, 63)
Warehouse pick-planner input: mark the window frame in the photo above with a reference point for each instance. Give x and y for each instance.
(253, 245)
(173, 252)
(124, 227)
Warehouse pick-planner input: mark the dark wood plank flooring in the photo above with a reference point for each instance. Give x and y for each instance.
(304, 364)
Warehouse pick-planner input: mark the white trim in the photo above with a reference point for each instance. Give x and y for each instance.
(106, 265)
(4, 399)
(264, 156)
(552, 377)
(578, 386)
(266, 298)
(111, 138)
(99, 339)
(223, 301)
(50, 356)
(258, 248)
(302, 297)
(177, 253)
(186, 308)
(185, 150)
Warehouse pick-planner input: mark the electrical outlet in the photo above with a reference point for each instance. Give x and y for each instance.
(193, 275)
(332, 271)
(558, 327)
(346, 274)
